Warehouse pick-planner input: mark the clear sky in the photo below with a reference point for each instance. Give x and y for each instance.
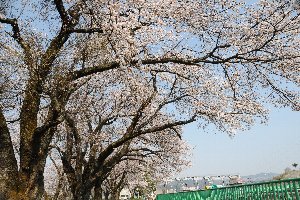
(264, 148)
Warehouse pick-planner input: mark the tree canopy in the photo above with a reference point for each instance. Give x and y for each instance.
(95, 80)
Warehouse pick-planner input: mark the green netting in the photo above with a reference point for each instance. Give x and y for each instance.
(275, 190)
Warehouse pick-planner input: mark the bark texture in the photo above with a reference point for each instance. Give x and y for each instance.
(8, 163)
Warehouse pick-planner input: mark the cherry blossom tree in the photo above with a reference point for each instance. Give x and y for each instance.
(88, 168)
(143, 170)
(104, 132)
(212, 62)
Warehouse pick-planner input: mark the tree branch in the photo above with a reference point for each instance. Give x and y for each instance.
(169, 125)
(86, 30)
(92, 70)
(16, 31)
(61, 10)
(17, 36)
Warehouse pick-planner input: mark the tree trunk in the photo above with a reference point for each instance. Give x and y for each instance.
(86, 195)
(106, 195)
(32, 179)
(82, 192)
(98, 191)
(115, 195)
(29, 182)
(33, 185)
(8, 162)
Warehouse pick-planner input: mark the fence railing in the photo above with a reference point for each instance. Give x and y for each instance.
(274, 190)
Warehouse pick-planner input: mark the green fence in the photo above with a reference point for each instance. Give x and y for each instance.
(275, 190)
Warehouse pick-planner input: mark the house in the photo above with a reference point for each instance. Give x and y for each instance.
(125, 194)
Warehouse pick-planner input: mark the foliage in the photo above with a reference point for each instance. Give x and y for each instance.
(94, 83)
(295, 165)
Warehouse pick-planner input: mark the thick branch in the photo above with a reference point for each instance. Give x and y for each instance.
(92, 70)
(79, 156)
(101, 68)
(104, 168)
(61, 10)
(135, 134)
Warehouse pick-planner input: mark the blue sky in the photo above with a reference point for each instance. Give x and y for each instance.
(263, 148)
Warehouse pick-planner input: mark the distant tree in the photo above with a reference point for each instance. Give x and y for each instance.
(295, 165)
(286, 170)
